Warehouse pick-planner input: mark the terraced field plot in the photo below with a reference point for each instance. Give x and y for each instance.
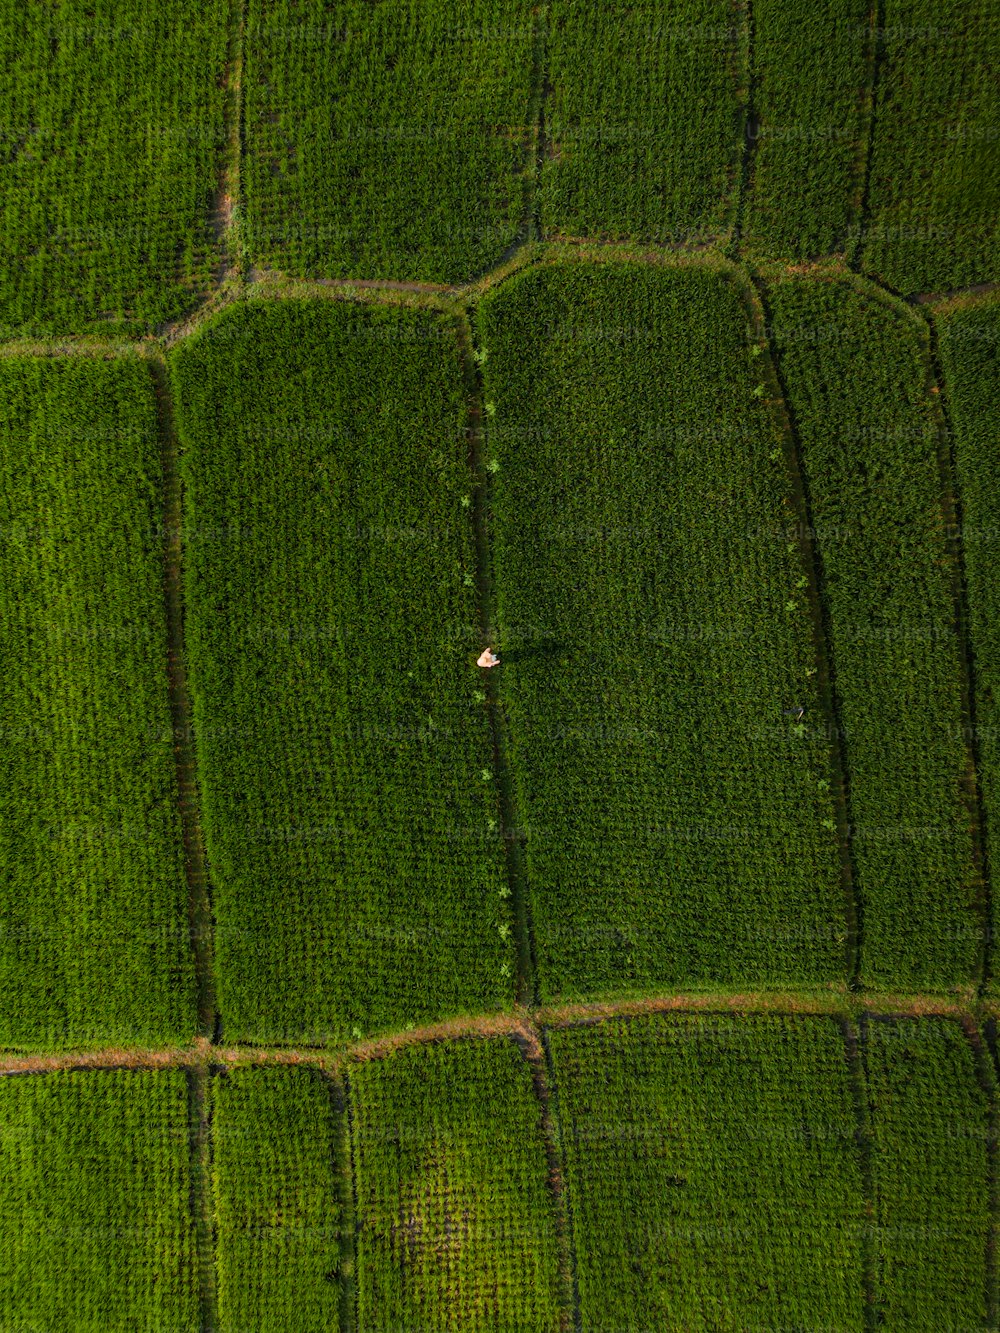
(110, 152)
(855, 372)
(931, 1131)
(970, 349)
(95, 1226)
(934, 171)
(350, 806)
(391, 140)
(282, 1236)
(812, 66)
(652, 615)
(94, 937)
(643, 123)
(712, 1173)
(455, 1224)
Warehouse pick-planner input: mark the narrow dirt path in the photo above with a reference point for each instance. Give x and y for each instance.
(202, 1204)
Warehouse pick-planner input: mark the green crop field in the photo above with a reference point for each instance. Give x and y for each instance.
(388, 140)
(280, 1229)
(931, 1166)
(455, 1229)
(811, 65)
(652, 609)
(712, 1174)
(349, 800)
(94, 940)
(96, 1235)
(112, 133)
(499, 687)
(856, 381)
(934, 189)
(643, 124)
(970, 349)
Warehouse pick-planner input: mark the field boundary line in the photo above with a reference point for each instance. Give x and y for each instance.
(954, 530)
(539, 1060)
(856, 1054)
(541, 91)
(745, 73)
(201, 1199)
(873, 72)
(336, 1082)
(513, 840)
(200, 918)
(758, 311)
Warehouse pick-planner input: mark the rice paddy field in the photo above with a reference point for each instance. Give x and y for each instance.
(499, 685)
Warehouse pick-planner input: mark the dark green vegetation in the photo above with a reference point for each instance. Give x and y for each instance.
(280, 1229)
(655, 632)
(712, 1173)
(111, 138)
(931, 1129)
(389, 140)
(855, 376)
(94, 942)
(811, 63)
(349, 802)
(970, 350)
(643, 123)
(454, 1214)
(934, 190)
(94, 1195)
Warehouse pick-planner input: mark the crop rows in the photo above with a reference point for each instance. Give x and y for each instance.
(652, 617)
(970, 350)
(349, 799)
(111, 139)
(856, 381)
(718, 1172)
(94, 943)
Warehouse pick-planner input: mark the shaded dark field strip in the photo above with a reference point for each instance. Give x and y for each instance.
(346, 1190)
(747, 72)
(195, 864)
(954, 518)
(986, 1074)
(201, 1202)
(761, 319)
(875, 60)
(855, 1046)
(546, 1090)
(510, 826)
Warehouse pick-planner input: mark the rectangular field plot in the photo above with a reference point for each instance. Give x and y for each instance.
(812, 65)
(96, 1232)
(389, 140)
(281, 1235)
(656, 640)
(94, 936)
(455, 1230)
(643, 119)
(934, 190)
(112, 143)
(970, 350)
(930, 1165)
(712, 1173)
(350, 810)
(856, 381)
